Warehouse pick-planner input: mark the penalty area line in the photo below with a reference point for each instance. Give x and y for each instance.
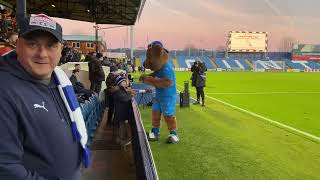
(286, 127)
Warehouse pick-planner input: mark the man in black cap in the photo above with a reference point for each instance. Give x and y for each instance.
(36, 140)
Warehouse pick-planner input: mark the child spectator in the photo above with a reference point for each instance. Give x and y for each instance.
(122, 101)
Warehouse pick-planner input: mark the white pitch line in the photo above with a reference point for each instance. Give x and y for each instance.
(257, 93)
(289, 128)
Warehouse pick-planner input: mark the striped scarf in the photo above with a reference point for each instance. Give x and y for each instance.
(78, 127)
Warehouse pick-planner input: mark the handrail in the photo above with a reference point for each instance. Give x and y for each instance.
(145, 166)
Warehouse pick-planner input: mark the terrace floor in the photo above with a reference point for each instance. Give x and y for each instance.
(108, 160)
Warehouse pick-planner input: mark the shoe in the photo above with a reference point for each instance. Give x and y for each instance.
(202, 105)
(195, 103)
(172, 139)
(153, 136)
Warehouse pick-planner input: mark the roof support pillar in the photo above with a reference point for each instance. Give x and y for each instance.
(131, 43)
(97, 42)
(21, 11)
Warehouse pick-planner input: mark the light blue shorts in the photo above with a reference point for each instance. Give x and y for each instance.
(165, 105)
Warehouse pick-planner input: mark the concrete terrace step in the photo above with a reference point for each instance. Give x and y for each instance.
(108, 160)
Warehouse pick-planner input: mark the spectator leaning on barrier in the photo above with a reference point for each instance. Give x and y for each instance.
(111, 88)
(122, 101)
(38, 139)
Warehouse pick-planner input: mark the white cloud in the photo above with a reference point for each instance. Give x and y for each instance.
(170, 9)
(218, 9)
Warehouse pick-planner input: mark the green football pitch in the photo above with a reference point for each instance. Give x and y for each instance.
(230, 137)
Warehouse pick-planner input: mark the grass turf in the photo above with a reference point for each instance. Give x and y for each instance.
(289, 98)
(218, 142)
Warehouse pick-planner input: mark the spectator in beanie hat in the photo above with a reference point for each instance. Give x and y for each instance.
(122, 101)
(119, 80)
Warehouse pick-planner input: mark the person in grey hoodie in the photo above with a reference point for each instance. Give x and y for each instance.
(36, 141)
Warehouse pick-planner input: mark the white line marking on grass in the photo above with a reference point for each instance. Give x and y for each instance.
(257, 93)
(289, 128)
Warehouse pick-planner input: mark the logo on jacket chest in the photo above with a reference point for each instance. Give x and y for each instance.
(38, 106)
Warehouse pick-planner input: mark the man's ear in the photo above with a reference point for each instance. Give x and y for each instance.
(61, 46)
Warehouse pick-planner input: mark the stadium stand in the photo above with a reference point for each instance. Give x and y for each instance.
(207, 61)
(182, 61)
(215, 66)
(278, 55)
(274, 61)
(221, 64)
(172, 62)
(245, 64)
(269, 65)
(247, 61)
(301, 65)
(232, 64)
(186, 61)
(175, 62)
(313, 65)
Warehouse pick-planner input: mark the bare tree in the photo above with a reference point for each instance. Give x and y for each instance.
(190, 49)
(286, 44)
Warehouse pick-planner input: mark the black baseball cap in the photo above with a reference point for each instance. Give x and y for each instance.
(40, 22)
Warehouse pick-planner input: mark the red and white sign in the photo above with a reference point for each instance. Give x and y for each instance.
(308, 58)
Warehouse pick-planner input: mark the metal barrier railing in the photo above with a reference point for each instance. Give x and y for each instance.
(145, 166)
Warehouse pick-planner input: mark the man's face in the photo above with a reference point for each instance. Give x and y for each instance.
(124, 84)
(77, 67)
(13, 39)
(76, 74)
(39, 53)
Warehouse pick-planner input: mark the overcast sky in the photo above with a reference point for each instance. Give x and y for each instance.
(206, 23)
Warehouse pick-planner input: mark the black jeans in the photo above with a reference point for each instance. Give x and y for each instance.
(96, 86)
(110, 109)
(200, 92)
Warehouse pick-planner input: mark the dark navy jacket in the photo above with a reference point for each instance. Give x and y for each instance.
(36, 141)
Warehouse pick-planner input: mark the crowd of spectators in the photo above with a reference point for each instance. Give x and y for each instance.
(8, 31)
(70, 54)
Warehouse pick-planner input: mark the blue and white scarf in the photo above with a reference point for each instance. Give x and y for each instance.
(78, 126)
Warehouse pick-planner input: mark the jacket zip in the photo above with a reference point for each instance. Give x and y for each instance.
(60, 111)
